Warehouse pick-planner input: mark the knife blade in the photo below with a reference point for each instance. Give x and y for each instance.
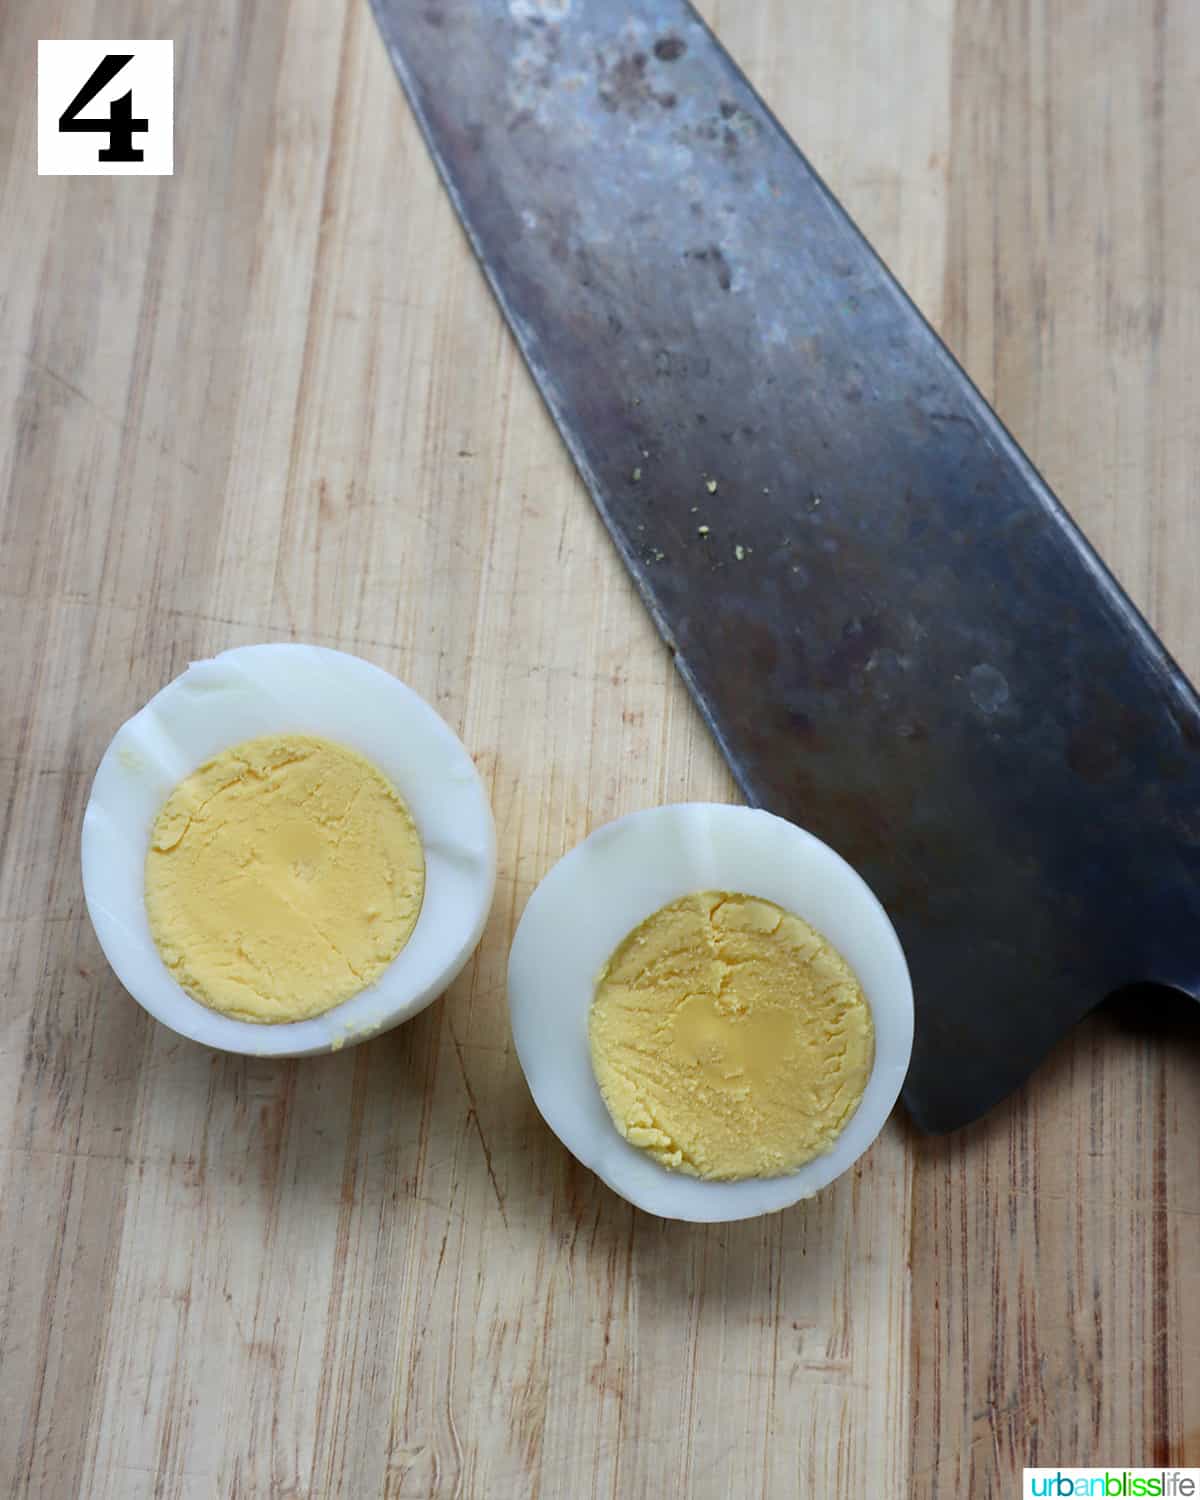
(894, 630)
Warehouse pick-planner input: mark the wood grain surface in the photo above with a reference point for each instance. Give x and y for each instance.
(270, 398)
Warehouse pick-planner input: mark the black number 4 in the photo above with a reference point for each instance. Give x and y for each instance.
(120, 125)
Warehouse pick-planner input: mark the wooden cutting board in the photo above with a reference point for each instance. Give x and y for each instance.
(270, 398)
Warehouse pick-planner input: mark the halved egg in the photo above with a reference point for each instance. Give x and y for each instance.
(589, 914)
(322, 702)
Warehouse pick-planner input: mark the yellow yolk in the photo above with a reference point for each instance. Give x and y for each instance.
(729, 1039)
(282, 878)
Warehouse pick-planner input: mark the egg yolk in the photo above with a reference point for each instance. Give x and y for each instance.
(729, 1038)
(282, 878)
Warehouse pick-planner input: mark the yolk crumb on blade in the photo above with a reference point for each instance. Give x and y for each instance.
(729, 1039)
(282, 878)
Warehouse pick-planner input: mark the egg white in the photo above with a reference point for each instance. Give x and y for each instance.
(286, 688)
(608, 885)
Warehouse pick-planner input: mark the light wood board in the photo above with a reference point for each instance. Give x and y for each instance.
(270, 398)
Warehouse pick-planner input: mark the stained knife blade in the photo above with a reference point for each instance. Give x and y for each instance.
(894, 630)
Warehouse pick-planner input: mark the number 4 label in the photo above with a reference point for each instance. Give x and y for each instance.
(106, 109)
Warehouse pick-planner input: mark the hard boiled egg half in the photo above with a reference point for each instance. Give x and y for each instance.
(600, 893)
(288, 689)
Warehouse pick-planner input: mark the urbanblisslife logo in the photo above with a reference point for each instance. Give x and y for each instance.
(1120, 1484)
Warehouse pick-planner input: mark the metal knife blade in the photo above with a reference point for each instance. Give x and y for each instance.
(897, 635)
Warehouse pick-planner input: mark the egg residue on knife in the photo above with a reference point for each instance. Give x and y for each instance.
(282, 877)
(287, 850)
(729, 1038)
(711, 1009)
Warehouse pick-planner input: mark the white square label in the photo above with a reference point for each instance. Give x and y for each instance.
(106, 109)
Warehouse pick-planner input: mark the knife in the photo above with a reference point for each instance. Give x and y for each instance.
(897, 635)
